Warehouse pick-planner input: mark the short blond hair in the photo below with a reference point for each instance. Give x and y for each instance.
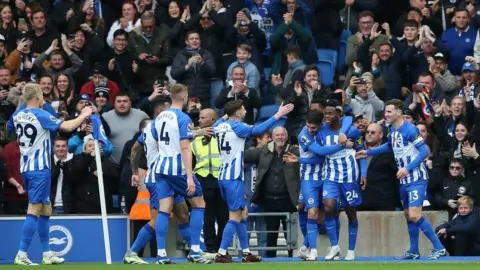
(31, 91)
(465, 200)
(177, 90)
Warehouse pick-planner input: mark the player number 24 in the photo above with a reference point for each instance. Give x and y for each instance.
(351, 195)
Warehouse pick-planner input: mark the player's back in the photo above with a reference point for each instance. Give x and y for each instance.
(171, 127)
(33, 127)
(404, 142)
(309, 171)
(340, 166)
(231, 137)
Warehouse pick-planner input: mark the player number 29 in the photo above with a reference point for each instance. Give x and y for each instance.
(28, 131)
(351, 195)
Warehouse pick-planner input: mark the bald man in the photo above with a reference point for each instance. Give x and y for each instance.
(374, 135)
(205, 150)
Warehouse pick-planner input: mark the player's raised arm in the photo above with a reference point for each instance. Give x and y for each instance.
(346, 124)
(71, 125)
(282, 111)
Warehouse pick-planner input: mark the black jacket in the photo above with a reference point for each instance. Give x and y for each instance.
(250, 102)
(197, 77)
(67, 196)
(467, 225)
(452, 189)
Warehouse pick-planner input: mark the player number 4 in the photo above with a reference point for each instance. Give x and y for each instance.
(224, 144)
(164, 135)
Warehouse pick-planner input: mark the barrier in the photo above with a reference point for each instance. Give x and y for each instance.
(76, 238)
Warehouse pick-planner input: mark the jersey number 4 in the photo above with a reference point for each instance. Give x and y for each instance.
(28, 131)
(224, 144)
(164, 135)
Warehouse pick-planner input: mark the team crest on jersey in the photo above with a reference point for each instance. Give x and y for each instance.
(418, 139)
(310, 201)
(304, 139)
(56, 120)
(462, 190)
(359, 141)
(190, 127)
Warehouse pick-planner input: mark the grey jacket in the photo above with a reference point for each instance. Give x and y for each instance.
(262, 157)
(369, 108)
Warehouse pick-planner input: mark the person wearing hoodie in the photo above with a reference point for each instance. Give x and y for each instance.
(244, 54)
(362, 99)
(454, 186)
(460, 235)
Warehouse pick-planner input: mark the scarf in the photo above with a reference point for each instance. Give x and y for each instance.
(291, 70)
(192, 51)
(425, 103)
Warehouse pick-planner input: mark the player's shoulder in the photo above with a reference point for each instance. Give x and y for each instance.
(409, 129)
(238, 124)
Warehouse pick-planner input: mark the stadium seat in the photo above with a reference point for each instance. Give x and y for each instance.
(342, 52)
(280, 122)
(267, 112)
(327, 65)
(328, 55)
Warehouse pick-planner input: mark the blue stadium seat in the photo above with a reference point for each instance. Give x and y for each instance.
(267, 72)
(342, 52)
(328, 55)
(267, 112)
(327, 65)
(280, 122)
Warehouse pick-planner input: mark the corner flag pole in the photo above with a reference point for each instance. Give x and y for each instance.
(103, 205)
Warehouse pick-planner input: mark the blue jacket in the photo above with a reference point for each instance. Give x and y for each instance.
(460, 45)
(75, 145)
(468, 224)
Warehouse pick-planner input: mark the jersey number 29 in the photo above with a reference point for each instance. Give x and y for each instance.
(28, 131)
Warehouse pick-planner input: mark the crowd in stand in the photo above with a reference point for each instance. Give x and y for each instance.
(121, 57)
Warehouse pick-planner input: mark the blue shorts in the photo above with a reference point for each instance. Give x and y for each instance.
(37, 184)
(170, 185)
(154, 200)
(301, 198)
(312, 190)
(233, 193)
(413, 194)
(346, 194)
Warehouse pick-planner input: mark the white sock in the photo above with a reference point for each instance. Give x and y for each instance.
(246, 250)
(196, 248)
(161, 253)
(222, 251)
(313, 250)
(22, 253)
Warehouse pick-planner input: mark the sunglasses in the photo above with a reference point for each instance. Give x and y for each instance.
(455, 168)
(370, 132)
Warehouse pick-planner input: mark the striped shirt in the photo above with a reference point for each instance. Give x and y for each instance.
(308, 171)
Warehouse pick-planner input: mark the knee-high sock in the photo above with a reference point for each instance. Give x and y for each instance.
(427, 229)
(312, 233)
(227, 236)
(352, 234)
(185, 232)
(243, 235)
(196, 226)
(413, 232)
(143, 237)
(331, 227)
(337, 222)
(302, 219)
(28, 230)
(44, 232)
(161, 229)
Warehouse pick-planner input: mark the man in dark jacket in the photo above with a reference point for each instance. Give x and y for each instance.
(239, 90)
(194, 67)
(151, 45)
(278, 182)
(60, 193)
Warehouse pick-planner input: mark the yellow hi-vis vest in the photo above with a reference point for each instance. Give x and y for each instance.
(141, 208)
(207, 156)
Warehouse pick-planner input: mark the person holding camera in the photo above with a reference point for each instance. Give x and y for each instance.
(362, 99)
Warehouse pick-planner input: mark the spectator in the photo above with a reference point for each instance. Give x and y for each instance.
(123, 123)
(63, 88)
(365, 102)
(205, 150)
(460, 236)
(57, 62)
(327, 25)
(460, 40)
(100, 78)
(14, 188)
(42, 36)
(238, 89)
(383, 186)
(469, 81)
(194, 67)
(61, 196)
(411, 29)
(416, 101)
(84, 182)
(446, 80)
(252, 76)
(366, 21)
(101, 101)
(454, 186)
(88, 21)
(20, 61)
(151, 45)
(46, 82)
(144, 6)
(456, 114)
(298, 8)
(278, 182)
(294, 73)
(259, 15)
(420, 12)
(357, 7)
(64, 12)
(127, 22)
(8, 28)
(6, 107)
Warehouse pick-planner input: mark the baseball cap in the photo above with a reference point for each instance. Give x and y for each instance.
(468, 67)
(440, 56)
(84, 97)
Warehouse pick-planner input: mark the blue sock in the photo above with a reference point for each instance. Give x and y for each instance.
(242, 234)
(413, 232)
(196, 225)
(44, 232)
(28, 230)
(331, 227)
(312, 232)
(352, 234)
(185, 232)
(427, 229)
(337, 222)
(143, 237)
(228, 233)
(203, 247)
(161, 229)
(302, 219)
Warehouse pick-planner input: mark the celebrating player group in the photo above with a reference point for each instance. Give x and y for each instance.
(333, 172)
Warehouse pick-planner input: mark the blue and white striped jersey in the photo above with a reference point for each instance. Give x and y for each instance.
(340, 166)
(308, 171)
(149, 143)
(404, 143)
(34, 128)
(170, 127)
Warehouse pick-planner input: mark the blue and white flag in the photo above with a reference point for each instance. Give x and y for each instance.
(97, 129)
